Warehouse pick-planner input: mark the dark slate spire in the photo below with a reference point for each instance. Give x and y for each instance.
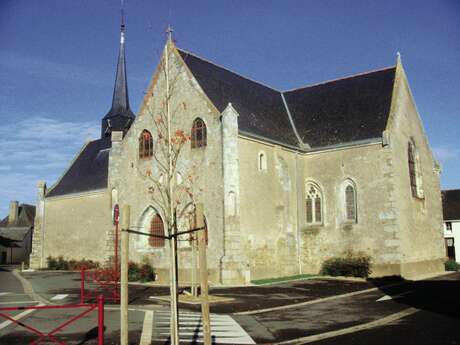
(120, 117)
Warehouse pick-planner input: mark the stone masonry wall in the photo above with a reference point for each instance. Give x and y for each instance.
(375, 232)
(268, 200)
(75, 226)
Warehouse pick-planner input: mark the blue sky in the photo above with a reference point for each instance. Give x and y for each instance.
(58, 58)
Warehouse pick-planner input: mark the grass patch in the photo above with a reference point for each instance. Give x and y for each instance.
(283, 279)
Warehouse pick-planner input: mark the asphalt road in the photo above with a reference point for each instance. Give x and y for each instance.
(423, 312)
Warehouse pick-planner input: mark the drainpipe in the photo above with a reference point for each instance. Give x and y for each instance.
(299, 209)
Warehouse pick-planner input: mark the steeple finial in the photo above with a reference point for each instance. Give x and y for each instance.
(169, 31)
(398, 58)
(122, 25)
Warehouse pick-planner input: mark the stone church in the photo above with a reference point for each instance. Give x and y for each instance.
(288, 179)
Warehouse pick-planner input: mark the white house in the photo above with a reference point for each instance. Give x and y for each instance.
(451, 213)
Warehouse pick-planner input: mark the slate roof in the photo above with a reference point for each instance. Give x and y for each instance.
(14, 234)
(451, 204)
(261, 108)
(88, 172)
(26, 217)
(336, 112)
(345, 110)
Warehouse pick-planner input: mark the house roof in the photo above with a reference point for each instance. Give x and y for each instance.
(451, 204)
(14, 233)
(87, 172)
(335, 112)
(26, 216)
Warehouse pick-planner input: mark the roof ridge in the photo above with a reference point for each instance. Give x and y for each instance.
(450, 190)
(341, 78)
(227, 69)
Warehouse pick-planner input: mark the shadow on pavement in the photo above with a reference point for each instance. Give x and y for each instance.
(439, 295)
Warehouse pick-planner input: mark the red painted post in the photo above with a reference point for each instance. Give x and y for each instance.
(82, 286)
(100, 320)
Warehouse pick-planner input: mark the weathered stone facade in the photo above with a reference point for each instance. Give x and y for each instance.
(254, 191)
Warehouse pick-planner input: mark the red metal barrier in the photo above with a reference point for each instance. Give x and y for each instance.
(100, 281)
(51, 335)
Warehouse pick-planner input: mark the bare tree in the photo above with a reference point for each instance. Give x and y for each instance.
(172, 176)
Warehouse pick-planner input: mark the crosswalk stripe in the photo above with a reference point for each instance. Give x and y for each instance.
(224, 328)
(146, 336)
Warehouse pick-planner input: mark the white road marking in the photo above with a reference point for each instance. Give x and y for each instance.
(19, 316)
(352, 329)
(59, 297)
(224, 328)
(146, 336)
(4, 293)
(388, 297)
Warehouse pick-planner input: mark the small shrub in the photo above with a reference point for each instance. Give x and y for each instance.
(70, 265)
(146, 273)
(349, 266)
(51, 263)
(451, 265)
(140, 272)
(133, 271)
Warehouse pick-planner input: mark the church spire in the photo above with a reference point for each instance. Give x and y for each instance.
(120, 116)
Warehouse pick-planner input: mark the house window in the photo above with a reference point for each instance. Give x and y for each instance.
(199, 138)
(449, 226)
(350, 203)
(145, 144)
(414, 171)
(314, 204)
(262, 161)
(157, 228)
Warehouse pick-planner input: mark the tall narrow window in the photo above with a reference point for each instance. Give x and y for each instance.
(414, 171)
(350, 203)
(199, 136)
(145, 144)
(314, 204)
(262, 161)
(157, 228)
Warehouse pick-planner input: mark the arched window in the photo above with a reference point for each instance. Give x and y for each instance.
(145, 144)
(262, 161)
(350, 202)
(314, 204)
(198, 133)
(157, 228)
(414, 170)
